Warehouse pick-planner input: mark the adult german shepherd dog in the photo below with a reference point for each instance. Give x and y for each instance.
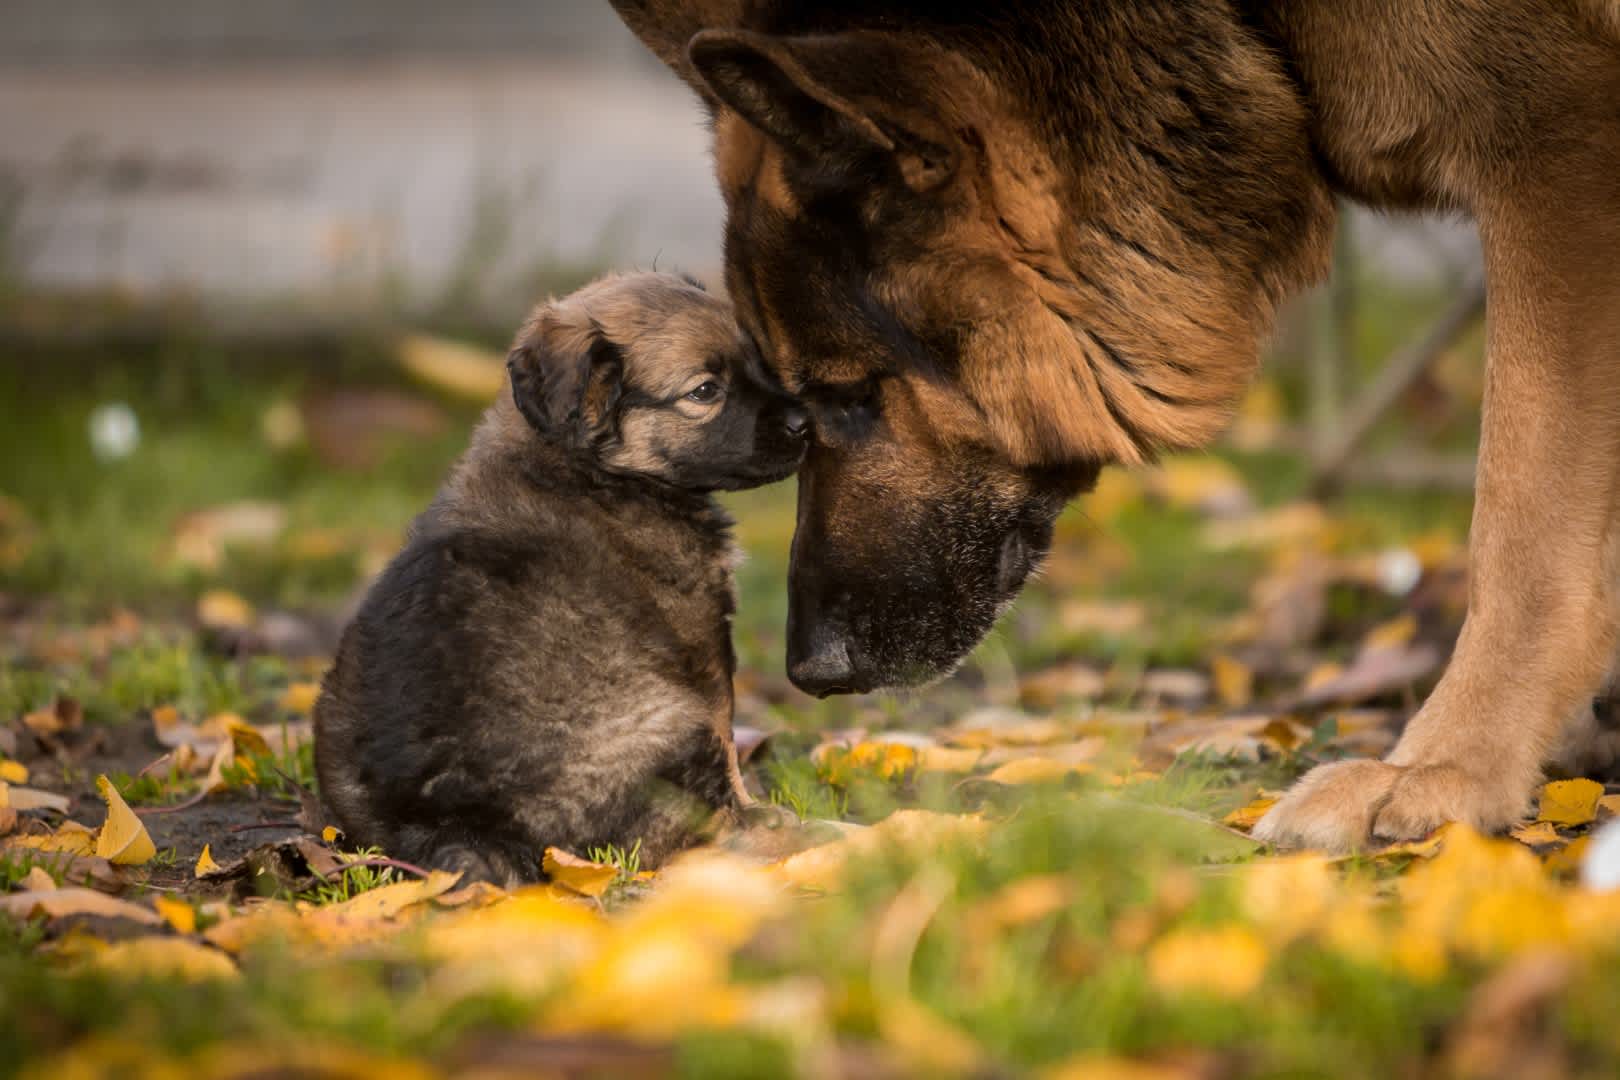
(996, 246)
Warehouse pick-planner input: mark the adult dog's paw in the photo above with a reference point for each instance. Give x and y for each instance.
(1331, 808)
(1425, 797)
(1358, 804)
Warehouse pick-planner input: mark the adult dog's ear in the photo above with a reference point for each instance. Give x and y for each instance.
(831, 96)
(566, 379)
(665, 26)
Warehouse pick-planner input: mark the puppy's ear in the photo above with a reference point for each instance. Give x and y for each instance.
(566, 380)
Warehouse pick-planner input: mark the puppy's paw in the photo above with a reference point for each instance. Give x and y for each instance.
(1425, 797)
(473, 865)
(1331, 808)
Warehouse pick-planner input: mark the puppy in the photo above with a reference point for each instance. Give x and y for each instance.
(548, 661)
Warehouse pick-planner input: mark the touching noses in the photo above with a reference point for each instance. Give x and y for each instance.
(796, 421)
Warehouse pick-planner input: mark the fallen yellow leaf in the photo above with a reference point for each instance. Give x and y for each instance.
(177, 913)
(164, 957)
(1536, 833)
(822, 867)
(221, 609)
(366, 915)
(1234, 681)
(70, 838)
(1024, 901)
(1392, 634)
(1567, 859)
(1226, 962)
(948, 759)
(579, 875)
(1247, 817)
(123, 839)
(1038, 770)
(1112, 1068)
(13, 772)
(330, 834)
(300, 697)
(1570, 802)
(455, 367)
(889, 760)
(205, 863)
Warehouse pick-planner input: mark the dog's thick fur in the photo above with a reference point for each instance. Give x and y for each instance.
(997, 246)
(548, 662)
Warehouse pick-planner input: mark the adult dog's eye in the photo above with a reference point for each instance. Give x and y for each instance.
(705, 393)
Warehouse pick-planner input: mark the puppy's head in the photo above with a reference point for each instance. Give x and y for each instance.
(648, 375)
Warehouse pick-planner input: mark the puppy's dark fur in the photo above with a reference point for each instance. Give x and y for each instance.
(548, 661)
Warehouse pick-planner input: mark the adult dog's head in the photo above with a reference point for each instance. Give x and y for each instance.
(990, 259)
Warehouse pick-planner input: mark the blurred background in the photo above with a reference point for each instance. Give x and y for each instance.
(257, 265)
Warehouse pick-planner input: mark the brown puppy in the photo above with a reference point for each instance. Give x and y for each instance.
(997, 246)
(548, 662)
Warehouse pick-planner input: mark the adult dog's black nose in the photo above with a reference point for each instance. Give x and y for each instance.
(819, 662)
(796, 420)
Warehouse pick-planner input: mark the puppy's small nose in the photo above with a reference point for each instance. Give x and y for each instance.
(822, 666)
(796, 421)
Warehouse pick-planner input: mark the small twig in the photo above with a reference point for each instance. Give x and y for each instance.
(173, 807)
(154, 764)
(264, 825)
(409, 868)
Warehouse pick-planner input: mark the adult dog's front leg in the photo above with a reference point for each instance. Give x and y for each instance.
(1545, 546)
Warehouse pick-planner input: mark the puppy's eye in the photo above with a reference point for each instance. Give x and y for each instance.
(705, 393)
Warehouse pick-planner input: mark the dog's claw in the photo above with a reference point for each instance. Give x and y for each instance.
(1350, 805)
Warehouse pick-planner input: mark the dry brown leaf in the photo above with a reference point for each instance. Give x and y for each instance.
(1570, 802)
(24, 798)
(1374, 673)
(1067, 682)
(1108, 620)
(65, 714)
(576, 874)
(8, 820)
(1608, 807)
(200, 538)
(37, 880)
(1180, 685)
(60, 903)
(1300, 524)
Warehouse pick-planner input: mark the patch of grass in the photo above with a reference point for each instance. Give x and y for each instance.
(794, 784)
(351, 881)
(15, 863)
(626, 861)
